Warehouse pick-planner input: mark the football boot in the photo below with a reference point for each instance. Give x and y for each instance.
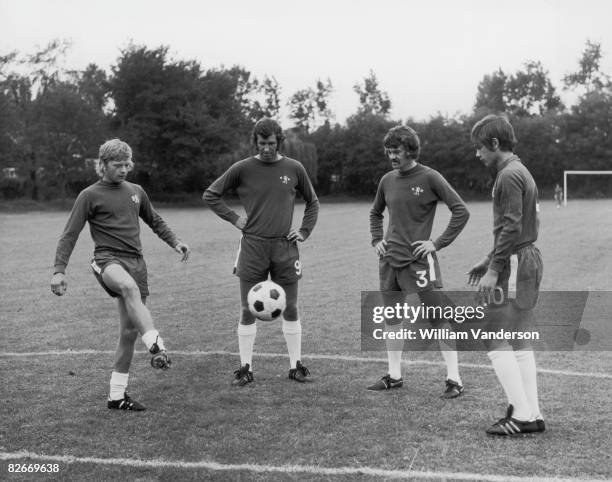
(386, 383)
(299, 373)
(126, 403)
(242, 376)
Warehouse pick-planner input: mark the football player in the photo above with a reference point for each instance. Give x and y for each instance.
(407, 255)
(558, 195)
(113, 206)
(515, 230)
(266, 184)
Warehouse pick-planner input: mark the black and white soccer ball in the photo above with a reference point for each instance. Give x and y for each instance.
(267, 300)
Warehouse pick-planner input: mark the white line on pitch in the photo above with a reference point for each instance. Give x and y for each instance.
(283, 469)
(357, 359)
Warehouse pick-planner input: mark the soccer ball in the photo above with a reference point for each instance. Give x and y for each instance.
(267, 300)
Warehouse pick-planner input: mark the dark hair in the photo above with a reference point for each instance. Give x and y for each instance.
(266, 127)
(494, 127)
(403, 136)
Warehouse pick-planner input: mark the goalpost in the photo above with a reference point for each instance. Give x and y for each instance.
(581, 173)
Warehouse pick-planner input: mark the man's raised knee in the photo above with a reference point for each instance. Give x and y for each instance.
(129, 290)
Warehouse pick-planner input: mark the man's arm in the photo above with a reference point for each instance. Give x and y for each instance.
(159, 226)
(213, 196)
(510, 192)
(510, 189)
(155, 221)
(70, 235)
(311, 211)
(376, 215)
(68, 239)
(459, 212)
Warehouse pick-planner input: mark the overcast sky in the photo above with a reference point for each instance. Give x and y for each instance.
(429, 56)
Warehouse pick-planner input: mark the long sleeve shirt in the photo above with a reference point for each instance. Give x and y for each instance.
(411, 199)
(267, 192)
(113, 212)
(515, 211)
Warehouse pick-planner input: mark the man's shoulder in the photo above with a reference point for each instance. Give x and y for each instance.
(513, 169)
(246, 160)
(92, 187)
(430, 172)
(292, 162)
(388, 176)
(91, 190)
(133, 186)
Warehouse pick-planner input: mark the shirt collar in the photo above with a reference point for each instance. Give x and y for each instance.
(504, 163)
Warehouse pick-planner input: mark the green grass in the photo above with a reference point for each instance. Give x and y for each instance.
(54, 405)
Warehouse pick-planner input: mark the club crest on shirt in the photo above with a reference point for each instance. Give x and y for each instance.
(285, 179)
(135, 199)
(417, 190)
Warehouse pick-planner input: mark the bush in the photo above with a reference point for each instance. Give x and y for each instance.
(12, 188)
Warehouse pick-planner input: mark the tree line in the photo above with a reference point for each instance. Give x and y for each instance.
(187, 124)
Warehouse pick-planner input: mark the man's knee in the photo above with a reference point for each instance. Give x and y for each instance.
(291, 312)
(128, 335)
(128, 289)
(119, 280)
(246, 317)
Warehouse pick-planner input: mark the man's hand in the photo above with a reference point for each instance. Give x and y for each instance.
(381, 248)
(58, 284)
(487, 286)
(423, 248)
(294, 236)
(241, 222)
(477, 271)
(184, 250)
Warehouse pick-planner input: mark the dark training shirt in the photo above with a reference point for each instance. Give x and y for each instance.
(515, 216)
(267, 192)
(411, 199)
(112, 211)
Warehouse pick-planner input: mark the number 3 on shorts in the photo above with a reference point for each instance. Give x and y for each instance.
(422, 280)
(298, 267)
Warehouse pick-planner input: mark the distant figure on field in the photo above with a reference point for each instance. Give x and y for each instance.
(558, 195)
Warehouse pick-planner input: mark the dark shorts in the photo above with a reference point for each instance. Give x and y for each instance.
(257, 257)
(521, 277)
(420, 275)
(135, 266)
(517, 293)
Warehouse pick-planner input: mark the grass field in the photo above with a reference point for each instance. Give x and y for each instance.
(56, 358)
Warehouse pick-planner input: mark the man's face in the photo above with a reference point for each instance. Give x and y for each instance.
(487, 156)
(266, 147)
(117, 171)
(398, 157)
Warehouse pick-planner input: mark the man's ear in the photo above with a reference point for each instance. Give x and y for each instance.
(494, 143)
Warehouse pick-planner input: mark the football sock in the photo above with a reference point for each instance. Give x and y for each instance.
(527, 364)
(509, 375)
(452, 363)
(292, 330)
(246, 341)
(394, 358)
(118, 385)
(394, 352)
(151, 337)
